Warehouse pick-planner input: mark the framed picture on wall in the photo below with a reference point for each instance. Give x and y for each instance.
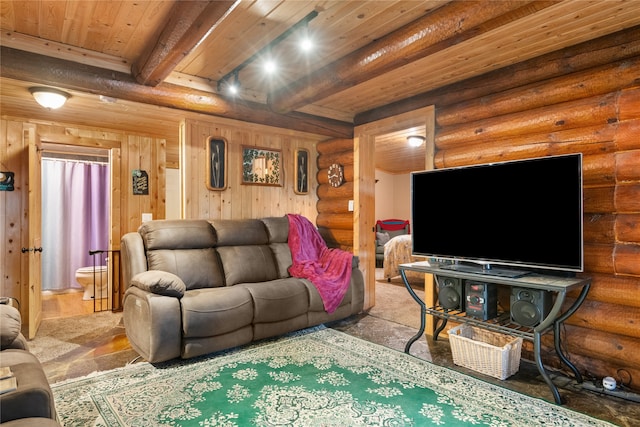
(301, 185)
(216, 163)
(261, 166)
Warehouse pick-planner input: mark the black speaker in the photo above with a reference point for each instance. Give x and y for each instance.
(481, 300)
(529, 306)
(450, 293)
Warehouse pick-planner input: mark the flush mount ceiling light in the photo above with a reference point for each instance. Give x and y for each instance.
(48, 97)
(415, 140)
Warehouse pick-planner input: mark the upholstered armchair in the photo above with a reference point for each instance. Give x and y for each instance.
(387, 229)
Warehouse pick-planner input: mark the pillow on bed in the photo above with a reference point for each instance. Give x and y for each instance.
(382, 238)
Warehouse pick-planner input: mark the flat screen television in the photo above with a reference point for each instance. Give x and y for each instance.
(522, 216)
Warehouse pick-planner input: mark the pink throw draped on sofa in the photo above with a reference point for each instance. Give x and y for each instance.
(329, 269)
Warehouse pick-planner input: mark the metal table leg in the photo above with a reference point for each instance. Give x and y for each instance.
(423, 313)
(556, 331)
(543, 372)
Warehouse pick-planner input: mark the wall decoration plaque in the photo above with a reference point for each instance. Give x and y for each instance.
(261, 166)
(140, 181)
(6, 181)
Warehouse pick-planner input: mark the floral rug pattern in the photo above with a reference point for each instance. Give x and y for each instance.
(316, 377)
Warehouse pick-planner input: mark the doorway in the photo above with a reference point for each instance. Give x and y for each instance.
(365, 137)
(75, 230)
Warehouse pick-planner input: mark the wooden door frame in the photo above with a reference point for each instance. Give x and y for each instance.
(34, 239)
(364, 186)
(35, 301)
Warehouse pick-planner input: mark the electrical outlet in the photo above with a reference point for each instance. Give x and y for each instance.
(147, 217)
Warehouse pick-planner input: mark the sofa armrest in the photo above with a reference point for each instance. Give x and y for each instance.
(153, 324)
(160, 283)
(133, 257)
(10, 324)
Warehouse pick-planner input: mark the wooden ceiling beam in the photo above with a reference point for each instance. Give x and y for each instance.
(444, 27)
(46, 70)
(188, 24)
(598, 52)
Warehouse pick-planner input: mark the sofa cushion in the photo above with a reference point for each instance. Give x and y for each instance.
(277, 229)
(278, 232)
(215, 311)
(278, 299)
(242, 264)
(177, 234)
(282, 255)
(198, 268)
(236, 232)
(160, 283)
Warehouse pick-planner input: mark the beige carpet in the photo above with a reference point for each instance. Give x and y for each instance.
(393, 302)
(60, 336)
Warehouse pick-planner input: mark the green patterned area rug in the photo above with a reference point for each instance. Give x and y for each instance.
(317, 377)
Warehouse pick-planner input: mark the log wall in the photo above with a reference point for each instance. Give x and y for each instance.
(582, 99)
(335, 221)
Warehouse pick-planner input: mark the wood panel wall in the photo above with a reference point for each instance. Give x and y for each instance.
(335, 221)
(239, 200)
(583, 99)
(129, 152)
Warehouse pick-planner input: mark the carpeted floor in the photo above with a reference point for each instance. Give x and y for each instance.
(316, 377)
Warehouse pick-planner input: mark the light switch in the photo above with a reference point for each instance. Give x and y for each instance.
(350, 205)
(147, 217)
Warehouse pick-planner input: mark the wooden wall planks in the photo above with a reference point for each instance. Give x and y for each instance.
(241, 200)
(128, 151)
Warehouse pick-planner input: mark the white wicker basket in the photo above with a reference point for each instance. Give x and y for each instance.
(487, 352)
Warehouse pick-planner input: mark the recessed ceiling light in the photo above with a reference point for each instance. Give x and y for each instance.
(306, 44)
(270, 66)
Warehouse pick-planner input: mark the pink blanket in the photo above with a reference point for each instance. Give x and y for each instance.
(328, 269)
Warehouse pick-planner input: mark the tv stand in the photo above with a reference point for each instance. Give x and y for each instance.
(560, 286)
(485, 270)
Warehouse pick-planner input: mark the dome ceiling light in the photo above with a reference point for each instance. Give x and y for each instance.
(49, 98)
(415, 140)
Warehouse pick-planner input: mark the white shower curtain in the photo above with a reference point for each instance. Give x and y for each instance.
(75, 219)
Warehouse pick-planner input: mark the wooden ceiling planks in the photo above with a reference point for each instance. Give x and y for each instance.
(527, 38)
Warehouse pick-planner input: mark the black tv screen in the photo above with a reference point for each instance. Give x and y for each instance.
(524, 213)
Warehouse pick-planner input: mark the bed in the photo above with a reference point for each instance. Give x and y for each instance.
(398, 251)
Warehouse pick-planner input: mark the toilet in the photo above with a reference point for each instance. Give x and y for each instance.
(85, 277)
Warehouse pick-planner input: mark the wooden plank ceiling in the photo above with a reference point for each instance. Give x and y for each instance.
(143, 59)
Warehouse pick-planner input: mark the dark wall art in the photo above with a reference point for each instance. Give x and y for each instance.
(216, 163)
(301, 171)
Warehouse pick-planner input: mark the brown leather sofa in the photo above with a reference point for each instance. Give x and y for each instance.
(195, 286)
(31, 403)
